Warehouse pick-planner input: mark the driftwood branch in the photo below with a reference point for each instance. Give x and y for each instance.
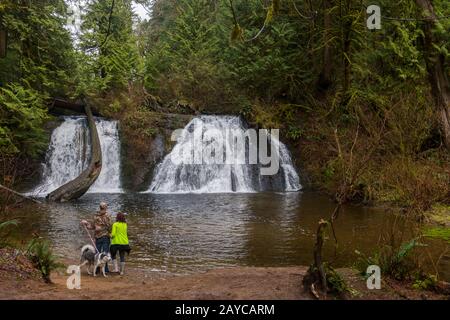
(19, 194)
(318, 262)
(316, 278)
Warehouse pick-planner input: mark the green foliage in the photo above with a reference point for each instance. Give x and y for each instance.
(438, 233)
(5, 226)
(294, 132)
(412, 184)
(274, 65)
(237, 33)
(440, 214)
(336, 283)
(329, 170)
(22, 115)
(39, 65)
(185, 63)
(41, 255)
(109, 57)
(9, 223)
(425, 282)
(396, 262)
(39, 46)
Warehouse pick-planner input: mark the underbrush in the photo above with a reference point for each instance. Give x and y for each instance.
(38, 258)
(5, 229)
(408, 261)
(414, 184)
(380, 154)
(439, 214)
(41, 255)
(335, 283)
(396, 261)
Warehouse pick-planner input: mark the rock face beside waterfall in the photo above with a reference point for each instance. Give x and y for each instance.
(145, 140)
(184, 169)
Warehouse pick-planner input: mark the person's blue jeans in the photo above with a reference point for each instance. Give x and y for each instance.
(102, 245)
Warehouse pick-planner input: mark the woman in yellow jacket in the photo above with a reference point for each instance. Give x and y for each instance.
(119, 242)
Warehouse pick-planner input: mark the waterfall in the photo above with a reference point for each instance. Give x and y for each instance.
(183, 171)
(68, 155)
(109, 179)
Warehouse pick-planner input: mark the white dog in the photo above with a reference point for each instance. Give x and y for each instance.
(90, 258)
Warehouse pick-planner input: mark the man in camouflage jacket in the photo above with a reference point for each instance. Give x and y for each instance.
(101, 225)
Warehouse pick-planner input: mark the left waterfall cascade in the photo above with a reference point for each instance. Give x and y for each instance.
(68, 155)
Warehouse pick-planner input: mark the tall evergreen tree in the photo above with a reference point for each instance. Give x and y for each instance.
(109, 44)
(38, 65)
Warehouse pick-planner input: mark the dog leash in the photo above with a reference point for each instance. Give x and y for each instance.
(92, 240)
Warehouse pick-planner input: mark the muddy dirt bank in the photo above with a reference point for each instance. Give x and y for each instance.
(229, 283)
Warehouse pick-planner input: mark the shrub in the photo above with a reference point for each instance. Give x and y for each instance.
(41, 255)
(438, 233)
(336, 283)
(4, 226)
(414, 184)
(395, 262)
(425, 282)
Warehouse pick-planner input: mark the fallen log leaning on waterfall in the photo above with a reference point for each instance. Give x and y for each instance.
(59, 105)
(80, 185)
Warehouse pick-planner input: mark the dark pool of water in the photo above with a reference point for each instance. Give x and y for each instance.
(187, 233)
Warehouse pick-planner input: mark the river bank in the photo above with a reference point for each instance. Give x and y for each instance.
(228, 283)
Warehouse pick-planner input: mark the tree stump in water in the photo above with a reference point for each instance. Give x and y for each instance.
(80, 185)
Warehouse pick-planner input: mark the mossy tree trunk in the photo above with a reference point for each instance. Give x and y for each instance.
(80, 185)
(438, 77)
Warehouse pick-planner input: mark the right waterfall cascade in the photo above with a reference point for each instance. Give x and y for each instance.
(186, 169)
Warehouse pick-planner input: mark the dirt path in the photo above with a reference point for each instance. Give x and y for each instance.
(230, 283)
(236, 283)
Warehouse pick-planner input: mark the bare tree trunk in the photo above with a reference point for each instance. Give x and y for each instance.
(325, 75)
(78, 186)
(3, 43)
(435, 61)
(318, 255)
(346, 56)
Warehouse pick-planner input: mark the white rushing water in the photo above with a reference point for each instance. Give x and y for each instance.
(69, 151)
(181, 171)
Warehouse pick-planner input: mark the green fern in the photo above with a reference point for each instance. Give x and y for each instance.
(41, 255)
